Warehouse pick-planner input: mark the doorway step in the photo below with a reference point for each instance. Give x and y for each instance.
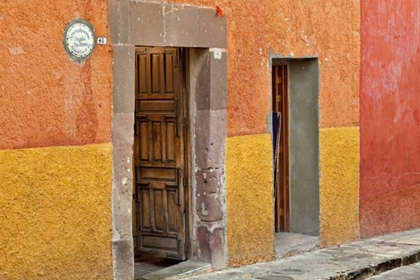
(288, 244)
(160, 268)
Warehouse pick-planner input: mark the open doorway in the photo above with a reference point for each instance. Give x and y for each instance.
(167, 24)
(160, 159)
(295, 130)
(281, 146)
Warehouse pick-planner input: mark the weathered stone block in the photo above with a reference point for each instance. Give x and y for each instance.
(211, 29)
(122, 145)
(217, 247)
(211, 81)
(209, 207)
(181, 27)
(122, 250)
(204, 244)
(202, 74)
(114, 17)
(210, 139)
(146, 24)
(218, 79)
(122, 141)
(212, 244)
(119, 21)
(124, 95)
(210, 180)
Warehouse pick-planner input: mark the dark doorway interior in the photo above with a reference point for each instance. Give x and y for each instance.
(281, 146)
(295, 122)
(295, 95)
(295, 89)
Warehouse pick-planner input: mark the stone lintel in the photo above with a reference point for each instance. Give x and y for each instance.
(167, 24)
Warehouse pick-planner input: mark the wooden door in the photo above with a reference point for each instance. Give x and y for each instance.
(281, 109)
(160, 173)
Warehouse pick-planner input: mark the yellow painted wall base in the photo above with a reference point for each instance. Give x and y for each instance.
(249, 199)
(56, 213)
(339, 193)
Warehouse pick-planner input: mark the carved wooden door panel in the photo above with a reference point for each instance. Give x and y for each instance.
(159, 154)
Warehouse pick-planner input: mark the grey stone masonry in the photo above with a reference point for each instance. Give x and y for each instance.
(166, 24)
(122, 241)
(211, 79)
(140, 23)
(210, 138)
(209, 148)
(124, 79)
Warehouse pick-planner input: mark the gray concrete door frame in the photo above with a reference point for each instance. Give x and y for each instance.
(304, 172)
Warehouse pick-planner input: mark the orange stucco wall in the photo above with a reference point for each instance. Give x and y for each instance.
(328, 29)
(258, 30)
(390, 117)
(45, 98)
(48, 100)
(55, 155)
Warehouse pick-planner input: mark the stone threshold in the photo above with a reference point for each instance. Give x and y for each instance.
(178, 271)
(288, 244)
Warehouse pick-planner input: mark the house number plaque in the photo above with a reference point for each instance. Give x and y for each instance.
(79, 39)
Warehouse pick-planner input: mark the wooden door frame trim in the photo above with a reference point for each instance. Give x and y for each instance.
(164, 24)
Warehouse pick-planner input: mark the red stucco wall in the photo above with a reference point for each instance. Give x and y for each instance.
(390, 116)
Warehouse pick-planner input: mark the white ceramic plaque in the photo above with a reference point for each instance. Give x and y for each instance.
(79, 39)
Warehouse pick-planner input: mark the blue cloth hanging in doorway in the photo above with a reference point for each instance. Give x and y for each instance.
(276, 120)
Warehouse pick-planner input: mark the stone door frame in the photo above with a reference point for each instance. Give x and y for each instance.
(204, 34)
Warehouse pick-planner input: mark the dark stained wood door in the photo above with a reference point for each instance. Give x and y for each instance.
(281, 109)
(160, 177)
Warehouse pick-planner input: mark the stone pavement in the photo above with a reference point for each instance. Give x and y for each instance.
(356, 260)
(290, 244)
(410, 272)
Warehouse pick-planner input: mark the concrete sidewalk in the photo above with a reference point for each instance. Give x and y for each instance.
(408, 272)
(356, 260)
